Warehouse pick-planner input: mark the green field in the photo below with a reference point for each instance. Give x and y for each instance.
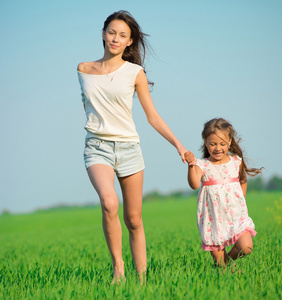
(62, 254)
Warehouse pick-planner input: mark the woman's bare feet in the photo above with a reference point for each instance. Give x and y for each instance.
(118, 279)
(143, 278)
(118, 274)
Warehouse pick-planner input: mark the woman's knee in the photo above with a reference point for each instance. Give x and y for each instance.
(133, 222)
(109, 204)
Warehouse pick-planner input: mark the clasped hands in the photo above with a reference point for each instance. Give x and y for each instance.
(190, 158)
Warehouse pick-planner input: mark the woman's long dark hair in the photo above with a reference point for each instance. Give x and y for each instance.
(219, 124)
(136, 52)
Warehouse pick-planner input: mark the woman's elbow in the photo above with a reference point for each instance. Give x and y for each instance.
(153, 118)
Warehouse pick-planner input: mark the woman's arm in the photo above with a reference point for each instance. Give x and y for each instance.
(154, 119)
(243, 179)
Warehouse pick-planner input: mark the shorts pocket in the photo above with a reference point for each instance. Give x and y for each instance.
(133, 144)
(93, 143)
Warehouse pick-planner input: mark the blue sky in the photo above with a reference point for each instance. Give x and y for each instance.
(211, 59)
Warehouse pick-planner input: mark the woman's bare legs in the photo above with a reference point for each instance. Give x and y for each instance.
(242, 247)
(132, 187)
(102, 178)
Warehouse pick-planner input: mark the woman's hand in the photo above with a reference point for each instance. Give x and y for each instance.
(181, 151)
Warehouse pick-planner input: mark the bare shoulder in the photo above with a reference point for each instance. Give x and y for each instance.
(87, 67)
(83, 66)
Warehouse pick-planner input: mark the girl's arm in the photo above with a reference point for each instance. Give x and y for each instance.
(194, 177)
(154, 119)
(194, 172)
(243, 179)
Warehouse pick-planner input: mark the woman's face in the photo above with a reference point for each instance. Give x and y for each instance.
(117, 37)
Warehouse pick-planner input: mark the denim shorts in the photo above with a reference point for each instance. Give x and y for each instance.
(124, 157)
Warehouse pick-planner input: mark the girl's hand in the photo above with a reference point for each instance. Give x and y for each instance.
(190, 158)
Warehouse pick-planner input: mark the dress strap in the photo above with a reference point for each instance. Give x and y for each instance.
(220, 181)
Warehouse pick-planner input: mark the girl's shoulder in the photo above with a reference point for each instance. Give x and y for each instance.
(235, 158)
(202, 163)
(235, 161)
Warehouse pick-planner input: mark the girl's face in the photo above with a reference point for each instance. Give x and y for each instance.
(117, 37)
(217, 145)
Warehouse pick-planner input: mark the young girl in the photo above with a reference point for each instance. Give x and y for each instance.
(112, 142)
(222, 213)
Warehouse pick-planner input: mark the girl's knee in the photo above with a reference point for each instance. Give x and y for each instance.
(245, 244)
(247, 250)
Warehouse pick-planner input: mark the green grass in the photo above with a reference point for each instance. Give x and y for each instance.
(62, 254)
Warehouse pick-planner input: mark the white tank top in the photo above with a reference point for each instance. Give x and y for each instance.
(108, 101)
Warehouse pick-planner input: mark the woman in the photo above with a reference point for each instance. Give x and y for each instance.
(112, 143)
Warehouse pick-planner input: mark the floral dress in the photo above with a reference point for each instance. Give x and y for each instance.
(222, 214)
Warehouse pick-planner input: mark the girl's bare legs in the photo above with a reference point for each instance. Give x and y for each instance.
(102, 178)
(132, 187)
(242, 247)
(220, 257)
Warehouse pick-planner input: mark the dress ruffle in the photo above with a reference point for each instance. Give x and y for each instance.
(230, 242)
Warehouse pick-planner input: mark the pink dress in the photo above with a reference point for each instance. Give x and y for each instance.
(222, 213)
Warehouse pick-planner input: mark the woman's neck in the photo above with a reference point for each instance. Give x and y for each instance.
(112, 59)
(109, 65)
